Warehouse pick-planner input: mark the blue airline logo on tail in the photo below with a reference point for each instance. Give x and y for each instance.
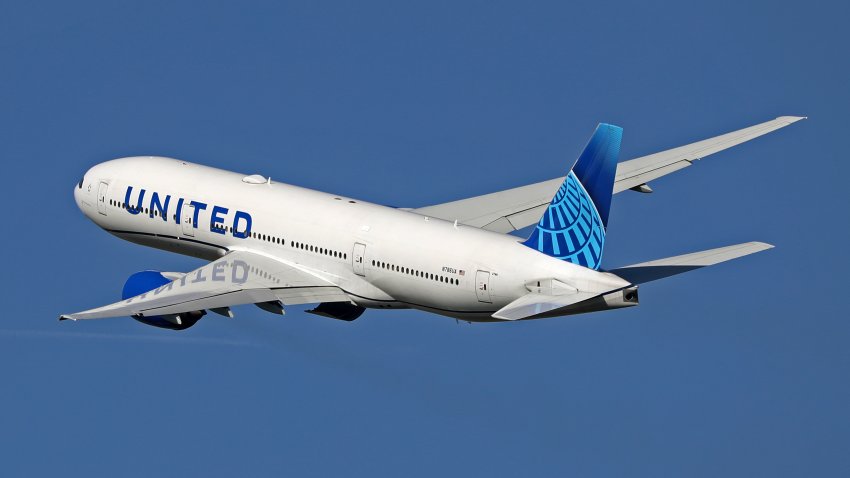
(571, 228)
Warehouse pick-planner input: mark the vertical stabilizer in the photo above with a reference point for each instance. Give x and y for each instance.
(573, 226)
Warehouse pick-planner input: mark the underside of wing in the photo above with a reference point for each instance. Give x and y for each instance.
(237, 278)
(516, 208)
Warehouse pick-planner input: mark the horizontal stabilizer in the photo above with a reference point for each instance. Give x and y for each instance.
(661, 268)
(533, 304)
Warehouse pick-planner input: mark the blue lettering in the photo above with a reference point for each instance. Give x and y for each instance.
(133, 210)
(178, 217)
(198, 207)
(162, 207)
(241, 215)
(216, 222)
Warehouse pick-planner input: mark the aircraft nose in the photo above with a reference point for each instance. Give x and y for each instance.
(79, 193)
(77, 196)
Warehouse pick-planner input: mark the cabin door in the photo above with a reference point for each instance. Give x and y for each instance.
(101, 197)
(187, 221)
(358, 257)
(482, 286)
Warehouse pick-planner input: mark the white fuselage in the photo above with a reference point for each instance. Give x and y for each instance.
(380, 256)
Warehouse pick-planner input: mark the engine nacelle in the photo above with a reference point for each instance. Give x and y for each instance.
(146, 281)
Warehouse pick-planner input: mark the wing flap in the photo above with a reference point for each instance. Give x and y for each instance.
(502, 211)
(637, 180)
(311, 295)
(227, 299)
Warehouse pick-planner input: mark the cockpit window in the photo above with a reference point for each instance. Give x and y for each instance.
(80, 185)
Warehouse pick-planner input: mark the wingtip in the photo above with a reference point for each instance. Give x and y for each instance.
(64, 317)
(792, 119)
(763, 246)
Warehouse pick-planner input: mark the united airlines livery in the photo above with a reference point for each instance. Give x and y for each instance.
(275, 245)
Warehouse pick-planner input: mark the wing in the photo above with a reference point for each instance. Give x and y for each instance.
(638, 171)
(513, 209)
(502, 211)
(237, 278)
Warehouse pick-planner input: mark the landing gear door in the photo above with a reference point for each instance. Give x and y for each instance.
(358, 257)
(101, 197)
(482, 286)
(187, 221)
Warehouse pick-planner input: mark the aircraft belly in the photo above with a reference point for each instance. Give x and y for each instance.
(172, 244)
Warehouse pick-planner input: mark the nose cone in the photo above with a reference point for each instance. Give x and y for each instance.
(77, 195)
(83, 194)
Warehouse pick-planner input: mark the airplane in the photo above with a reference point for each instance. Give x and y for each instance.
(276, 245)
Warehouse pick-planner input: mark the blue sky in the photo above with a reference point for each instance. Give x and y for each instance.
(737, 370)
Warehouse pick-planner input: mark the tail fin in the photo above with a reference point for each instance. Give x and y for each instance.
(573, 226)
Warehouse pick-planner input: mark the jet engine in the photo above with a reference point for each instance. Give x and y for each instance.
(146, 281)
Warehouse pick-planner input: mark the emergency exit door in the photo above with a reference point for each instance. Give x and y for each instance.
(482, 286)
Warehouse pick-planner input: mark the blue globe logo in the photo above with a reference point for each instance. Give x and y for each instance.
(571, 228)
